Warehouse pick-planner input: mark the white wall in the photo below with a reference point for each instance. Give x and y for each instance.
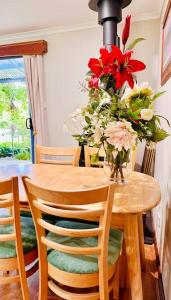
(65, 67)
(162, 214)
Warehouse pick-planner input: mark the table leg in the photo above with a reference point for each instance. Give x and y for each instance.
(141, 240)
(133, 255)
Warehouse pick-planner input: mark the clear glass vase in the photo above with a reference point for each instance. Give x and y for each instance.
(116, 169)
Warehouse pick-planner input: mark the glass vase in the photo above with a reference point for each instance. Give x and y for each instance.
(117, 167)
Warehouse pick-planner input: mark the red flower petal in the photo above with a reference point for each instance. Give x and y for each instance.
(110, 69)
(126, 30)
(105, 56)
(127, 56)
(130, 80)
(94, 82)
(121, 77)
(136, 65)
(116, 54)
(95, 65)
(133, 120)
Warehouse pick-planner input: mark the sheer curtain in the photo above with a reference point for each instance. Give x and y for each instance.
(35, 85)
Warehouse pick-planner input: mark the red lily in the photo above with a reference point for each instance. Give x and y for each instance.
(125, 67)
(102, 66)
(114, 63)
(126, 30)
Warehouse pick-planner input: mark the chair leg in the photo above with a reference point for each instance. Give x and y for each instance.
(116, 282)
(123, 266)
(24, 286)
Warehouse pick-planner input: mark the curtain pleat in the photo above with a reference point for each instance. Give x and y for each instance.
(35, 85)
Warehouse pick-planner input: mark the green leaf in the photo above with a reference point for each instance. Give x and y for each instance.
(159, 135)
(134, 43)
(139, 103)
(168, 123)
(78, 137)
(157, 119)
(87, 119)
(135, 114)
(158, 95)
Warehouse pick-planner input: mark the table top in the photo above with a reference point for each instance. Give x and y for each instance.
(140, 194)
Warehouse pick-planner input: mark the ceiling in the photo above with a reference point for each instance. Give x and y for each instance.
(27, 15)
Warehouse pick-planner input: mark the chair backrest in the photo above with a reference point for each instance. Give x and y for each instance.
(148, 164)
(89, 152)
(133, 157)
(48, 155)
(9, 188)
(102, 212)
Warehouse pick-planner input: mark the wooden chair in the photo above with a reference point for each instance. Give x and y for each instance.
(148, 164)
(88, 152)
(43, 155)
(77, 254)
(148, 167)
(92, 151)
(18, 245)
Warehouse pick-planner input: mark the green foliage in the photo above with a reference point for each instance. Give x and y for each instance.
(159, 135)
(24, 145)
(6, 149)
(134, 108)
(14, 107)
(134, 43)
(23, 156)
(140, 103)
(158, 95)
(5, 152)
(13, 113)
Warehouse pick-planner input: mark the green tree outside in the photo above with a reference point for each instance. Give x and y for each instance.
(13, 113)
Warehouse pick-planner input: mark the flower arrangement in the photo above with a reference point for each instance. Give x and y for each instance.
(119, 112)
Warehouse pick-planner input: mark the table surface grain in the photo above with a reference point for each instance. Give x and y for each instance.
(140, 194)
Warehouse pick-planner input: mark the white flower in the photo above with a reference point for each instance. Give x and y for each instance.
(105, 101)
(97, 134)
(121, 135)
(75, 122)
(147, 114)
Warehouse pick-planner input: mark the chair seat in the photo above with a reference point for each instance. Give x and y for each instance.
(8, 249)
(48, 218)
(82, 264)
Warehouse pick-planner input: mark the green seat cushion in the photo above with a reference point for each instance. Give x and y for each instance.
(24, 213)
(8, 249)
(82, 264)
(49, 218)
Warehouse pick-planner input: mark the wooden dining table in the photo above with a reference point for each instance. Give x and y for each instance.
(140, 194)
